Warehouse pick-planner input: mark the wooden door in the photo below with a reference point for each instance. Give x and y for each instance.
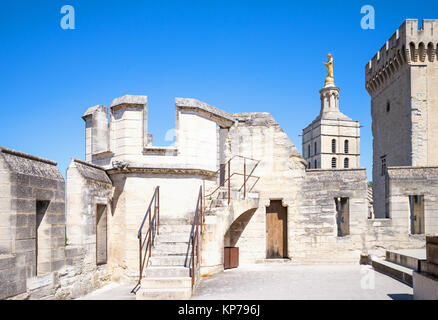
(101, 234)
(417, 214)
(276, 230)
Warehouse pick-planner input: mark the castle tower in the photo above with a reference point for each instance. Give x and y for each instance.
(402, 80)
(332, 140)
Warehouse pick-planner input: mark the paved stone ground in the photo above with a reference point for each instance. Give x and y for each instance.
(112, 291)
(297, 282)
(284, 282)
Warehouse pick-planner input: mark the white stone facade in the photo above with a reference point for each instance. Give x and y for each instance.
(332, 140)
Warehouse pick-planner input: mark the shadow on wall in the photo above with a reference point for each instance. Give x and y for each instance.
(119, 187)
(237, 227)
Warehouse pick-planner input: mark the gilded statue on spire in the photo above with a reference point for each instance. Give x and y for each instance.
(329, 64)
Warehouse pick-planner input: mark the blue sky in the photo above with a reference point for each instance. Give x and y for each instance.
(241, 56)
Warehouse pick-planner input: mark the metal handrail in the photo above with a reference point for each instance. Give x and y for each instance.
(149, 235)
(246, 176)
(196, 231)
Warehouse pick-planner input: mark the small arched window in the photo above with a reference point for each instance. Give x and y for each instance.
(316, 164)
(412, 50)
(346, 146)
(388, 106)
(316, 149)
(346, 163)
(334, 146)
(422, 51)
(333, 163)
(430, 52)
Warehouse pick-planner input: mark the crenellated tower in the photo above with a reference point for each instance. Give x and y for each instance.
(402, 80)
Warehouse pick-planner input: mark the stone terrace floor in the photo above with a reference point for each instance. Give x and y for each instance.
(298, 282)
(286, 282)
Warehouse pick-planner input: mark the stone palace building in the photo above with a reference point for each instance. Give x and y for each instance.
(159, 217)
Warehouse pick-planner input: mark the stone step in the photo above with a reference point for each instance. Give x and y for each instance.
(407, 258)
(170, 248)
(176, 260)
(167, 272)
(182, 237)
(393, 270)
(164, 283)
(217, 203)
(176, 221)
(175, 228)
(164, 294)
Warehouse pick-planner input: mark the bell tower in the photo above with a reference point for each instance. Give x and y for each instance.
(332, 140)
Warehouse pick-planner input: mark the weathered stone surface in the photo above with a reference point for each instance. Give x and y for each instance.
(403, 107)
(432, 250)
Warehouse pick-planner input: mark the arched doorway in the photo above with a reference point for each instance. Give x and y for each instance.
(232, 240)
(276, 230)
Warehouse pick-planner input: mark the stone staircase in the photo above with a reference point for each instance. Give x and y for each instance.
(400, 264)
(220, 199)
(166, 276)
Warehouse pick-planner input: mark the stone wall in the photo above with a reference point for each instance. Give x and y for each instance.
(281, 170)
(134, 189)
(196, 135)
(315, 231)
(88, 187)
(35, 241)
(35, 262)
(401, 79)
(406, 181)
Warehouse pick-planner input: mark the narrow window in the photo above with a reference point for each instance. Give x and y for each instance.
(333, 162)
(308, 151)
(315, 151)
(316, 164)
(388, 106)
(383, 171)
(346, 146)
(346, 163)
(333, 146)
(343, 216)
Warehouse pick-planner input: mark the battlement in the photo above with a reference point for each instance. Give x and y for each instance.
(125, 136)
(407, 46)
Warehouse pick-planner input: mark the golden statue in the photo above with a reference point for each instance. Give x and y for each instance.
(329, 64)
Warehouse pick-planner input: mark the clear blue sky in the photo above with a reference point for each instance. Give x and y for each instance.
(241, 56)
